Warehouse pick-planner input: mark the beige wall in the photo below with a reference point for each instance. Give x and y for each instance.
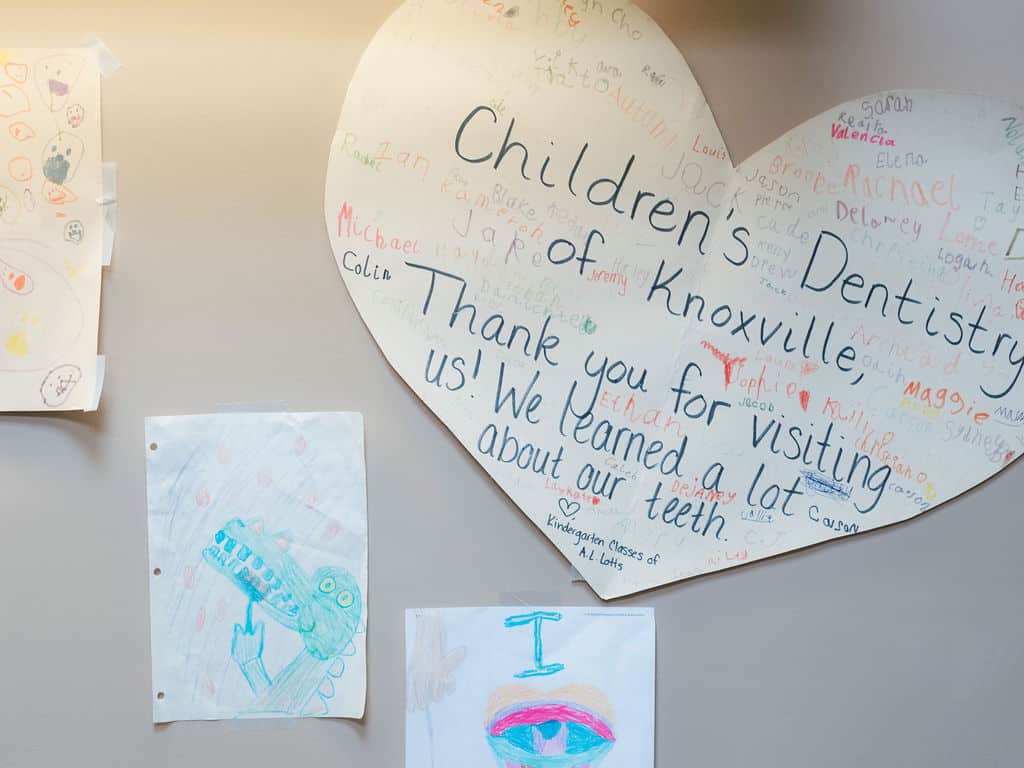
(901, 648)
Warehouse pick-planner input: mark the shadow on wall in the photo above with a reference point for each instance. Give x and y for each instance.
(745, 16)
(761, 57)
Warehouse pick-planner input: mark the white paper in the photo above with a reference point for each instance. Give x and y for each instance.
(257, 546)
(530, 687)
(669, 364)
(52, 228)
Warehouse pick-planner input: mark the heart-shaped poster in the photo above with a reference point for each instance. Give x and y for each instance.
(536, 216)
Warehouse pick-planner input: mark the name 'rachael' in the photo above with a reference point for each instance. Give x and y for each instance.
(494, 327)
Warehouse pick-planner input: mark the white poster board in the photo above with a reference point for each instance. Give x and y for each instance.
(671, 365)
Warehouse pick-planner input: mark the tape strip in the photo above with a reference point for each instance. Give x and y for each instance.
(109, 63)
(108, 201)
(101, 374)
(109, 193)
(530, 598)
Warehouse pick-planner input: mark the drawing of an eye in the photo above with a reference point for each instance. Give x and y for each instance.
(345, 599)
(327, 585)
(554, 731)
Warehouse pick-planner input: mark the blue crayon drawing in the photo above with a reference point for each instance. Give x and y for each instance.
(536, 618)
(824, 486)
(251, 620)
(324, 611)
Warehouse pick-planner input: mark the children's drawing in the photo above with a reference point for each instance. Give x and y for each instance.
(593, 707)
(262, 617)
(32, 335)
(51, 229)
(74, 231)
(15, 280)
(75, 115)
(536, 620)
(56, 75)
(59, 383)
(324, 610)
(568, 727)
(672, 363)
(431, 669)
(62, 156)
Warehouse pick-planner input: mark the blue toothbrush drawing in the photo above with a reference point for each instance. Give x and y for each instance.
(324, 610)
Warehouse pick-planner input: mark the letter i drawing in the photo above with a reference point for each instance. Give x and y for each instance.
(536, 618)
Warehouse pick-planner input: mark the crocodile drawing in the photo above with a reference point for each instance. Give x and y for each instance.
(324, 610)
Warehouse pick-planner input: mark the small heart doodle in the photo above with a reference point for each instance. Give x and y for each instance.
(569, 508)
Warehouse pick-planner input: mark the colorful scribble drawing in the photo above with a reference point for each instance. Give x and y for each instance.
(570, 727)
(567, 728)
(14, 280)
(56, 75)
(75, 115)
(583, 659)
(51, 222)
(61, 157)
(324, 610)
(33, 336)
